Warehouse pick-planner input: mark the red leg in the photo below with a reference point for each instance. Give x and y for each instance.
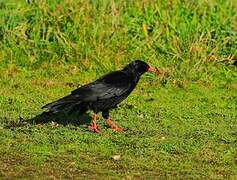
(110, 123)
(93, 126)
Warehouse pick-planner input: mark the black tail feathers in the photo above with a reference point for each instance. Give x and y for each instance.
(68, 105)
(57, 106)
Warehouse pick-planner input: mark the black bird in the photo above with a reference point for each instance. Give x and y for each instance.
(103, 94)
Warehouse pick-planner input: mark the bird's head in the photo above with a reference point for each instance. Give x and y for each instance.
(139, 67)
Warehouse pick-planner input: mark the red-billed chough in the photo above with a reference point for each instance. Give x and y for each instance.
(103, 94)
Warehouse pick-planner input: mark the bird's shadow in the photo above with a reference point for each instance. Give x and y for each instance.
(49, 117)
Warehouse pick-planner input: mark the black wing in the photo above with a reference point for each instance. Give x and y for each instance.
(110, 85)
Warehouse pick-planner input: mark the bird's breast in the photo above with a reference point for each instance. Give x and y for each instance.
(107, 104)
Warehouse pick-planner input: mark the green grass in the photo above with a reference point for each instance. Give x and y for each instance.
(180, 125)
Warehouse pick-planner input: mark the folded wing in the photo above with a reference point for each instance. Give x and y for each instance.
(108, 86)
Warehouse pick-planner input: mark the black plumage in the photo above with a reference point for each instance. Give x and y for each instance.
(103, 94)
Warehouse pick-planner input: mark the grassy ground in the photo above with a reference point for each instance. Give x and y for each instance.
(182, 124)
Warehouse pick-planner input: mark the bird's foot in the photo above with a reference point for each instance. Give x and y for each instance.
(113, 126)
(94, 128)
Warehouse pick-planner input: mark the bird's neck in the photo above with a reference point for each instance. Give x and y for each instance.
(134, 76)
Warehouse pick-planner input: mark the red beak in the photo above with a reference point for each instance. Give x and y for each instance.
(154, 70)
